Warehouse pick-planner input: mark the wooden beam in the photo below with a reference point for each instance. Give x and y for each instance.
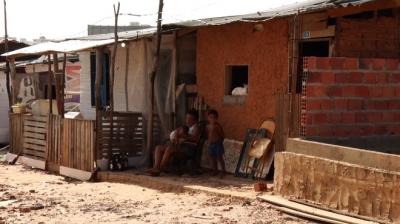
(14, 81)
(370, 6)
(153, 78)
(49, 85)
(126, 77)
(99, 77)
(57, 80)
(63, 85)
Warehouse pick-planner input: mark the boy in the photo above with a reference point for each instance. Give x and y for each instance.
(216, 142)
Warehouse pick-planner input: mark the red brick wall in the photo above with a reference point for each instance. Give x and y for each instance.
(266, 54)
(378, 37)
(351, 97)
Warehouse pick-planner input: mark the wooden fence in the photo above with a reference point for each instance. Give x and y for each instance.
(54, 141)
(35, 137)
(78, 144)
(121, 133)
(16, 133)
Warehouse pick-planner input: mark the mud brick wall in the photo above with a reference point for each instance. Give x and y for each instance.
(266, 54)
(344, 97)
(337, 185)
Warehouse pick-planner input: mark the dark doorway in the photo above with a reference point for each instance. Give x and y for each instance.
(318, 48)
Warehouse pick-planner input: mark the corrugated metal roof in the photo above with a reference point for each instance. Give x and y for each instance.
(73, 45)
(291, 9)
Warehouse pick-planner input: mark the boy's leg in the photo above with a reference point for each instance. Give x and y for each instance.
(158, 154)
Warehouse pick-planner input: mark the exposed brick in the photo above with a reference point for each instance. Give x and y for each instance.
(388, 117)
(325, 131)
(309, 118)
(340, 104)
(334, 91)
(310, 63)
(370, 77)
(334, 118)
(392, 64)
(394, 104)
(316, 91)
(397, 91)
(354, 104)
(313, 105)
(374, 117)
(311, 131)
(364, 63)
(361, 117)
(375, 91)
(348, 118)
(327, 77)
(350, 63)
(380, 130)
(327, 105)
(380, 105)
(383, 78)
(355, 77)
(378, 64)
(394, 129)
(389, 91)
(320, 118)
(341, 77)
(395, 77)
(362, 91)
(323, 63)
(337, 63)
(348, 91)
(314, 77)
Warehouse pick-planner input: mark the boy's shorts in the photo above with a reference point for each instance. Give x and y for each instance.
(216, 149)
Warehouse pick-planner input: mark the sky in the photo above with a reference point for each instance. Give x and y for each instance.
(58, 19)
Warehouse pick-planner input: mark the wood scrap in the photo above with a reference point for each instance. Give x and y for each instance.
(277, 200)
(337, 211)
(305, 215)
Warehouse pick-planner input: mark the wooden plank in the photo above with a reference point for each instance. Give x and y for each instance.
(276, 200)
(36, 118)
(34, 147)
(35, 124)
(35, 130)
(75, 173)
(35, 141)
(33, 162)
(35, 154)
(35, 135)
(305, 215)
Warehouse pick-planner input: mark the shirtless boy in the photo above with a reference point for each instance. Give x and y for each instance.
(216, 141)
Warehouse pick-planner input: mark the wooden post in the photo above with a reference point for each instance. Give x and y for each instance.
(57, 80)
(49, 85)
(153, 78)
(126, 77)
(7, 63)
(63, 85)
(99, 76)
(114, 54)
(14, 81)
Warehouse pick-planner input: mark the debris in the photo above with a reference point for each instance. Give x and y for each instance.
(258, 187)
(24, 209)
(37, 206)
(32, 191)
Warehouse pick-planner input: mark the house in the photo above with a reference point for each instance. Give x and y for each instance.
(325, 71)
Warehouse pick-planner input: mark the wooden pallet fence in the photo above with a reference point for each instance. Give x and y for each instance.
(16, 133)
(35, 137)
(54, 141)
(78, 144)
(123, 133)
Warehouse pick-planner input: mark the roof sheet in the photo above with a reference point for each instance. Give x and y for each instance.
(291, 9)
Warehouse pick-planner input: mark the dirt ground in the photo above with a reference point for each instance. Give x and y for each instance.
(33, 196)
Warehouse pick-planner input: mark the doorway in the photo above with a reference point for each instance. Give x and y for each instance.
(309, 48)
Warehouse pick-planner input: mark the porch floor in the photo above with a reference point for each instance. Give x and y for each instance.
(229, 185)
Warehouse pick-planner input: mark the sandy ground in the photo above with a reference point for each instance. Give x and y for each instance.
(33, 196)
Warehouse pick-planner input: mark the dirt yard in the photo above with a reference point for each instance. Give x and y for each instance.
(32, 196)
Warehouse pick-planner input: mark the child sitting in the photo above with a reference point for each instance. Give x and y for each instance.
(216, 142)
